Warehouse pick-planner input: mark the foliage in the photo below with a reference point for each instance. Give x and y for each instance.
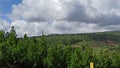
(59, 51)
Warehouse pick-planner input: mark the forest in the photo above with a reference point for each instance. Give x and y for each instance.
(60, 50)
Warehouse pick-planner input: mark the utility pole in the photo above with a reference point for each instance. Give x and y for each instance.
(42, 32)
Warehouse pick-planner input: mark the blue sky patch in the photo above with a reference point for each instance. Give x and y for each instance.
(6, 7)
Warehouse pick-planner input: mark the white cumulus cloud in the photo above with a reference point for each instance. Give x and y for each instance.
(65, 16)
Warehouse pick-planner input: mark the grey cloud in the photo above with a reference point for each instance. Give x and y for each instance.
(113, 27)
(103, 16)
(101, 12)
(38, 10)
(74, 27)
(77, 13)
(68, 16)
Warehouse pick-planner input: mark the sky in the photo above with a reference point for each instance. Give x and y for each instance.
(59, 16)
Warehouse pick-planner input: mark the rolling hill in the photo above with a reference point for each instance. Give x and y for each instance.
(98, 39)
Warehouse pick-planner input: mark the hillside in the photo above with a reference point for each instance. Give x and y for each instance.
(98, 39)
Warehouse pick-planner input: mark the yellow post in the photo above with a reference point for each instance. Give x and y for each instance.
(91, 65)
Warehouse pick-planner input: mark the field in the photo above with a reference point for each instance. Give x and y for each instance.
(60, 50)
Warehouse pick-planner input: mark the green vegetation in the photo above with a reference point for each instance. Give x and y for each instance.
(60, 51)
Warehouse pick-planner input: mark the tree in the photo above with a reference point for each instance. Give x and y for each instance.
(9, 47)
(54, 58)
(2, 34)
(12, 36)
(75, 61)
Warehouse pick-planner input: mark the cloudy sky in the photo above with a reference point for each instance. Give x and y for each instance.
(59, 16)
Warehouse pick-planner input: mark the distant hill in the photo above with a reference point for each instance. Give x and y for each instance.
(98, 39)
